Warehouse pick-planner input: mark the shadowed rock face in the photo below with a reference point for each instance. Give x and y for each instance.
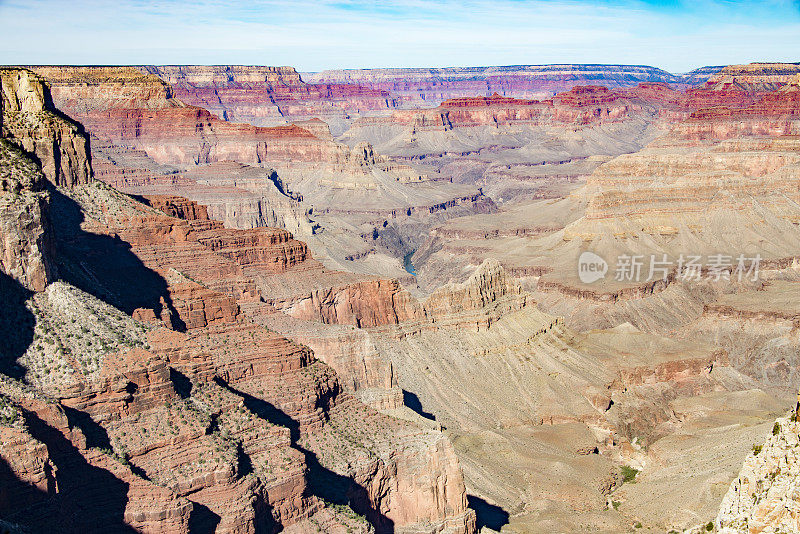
(26, 248)
(171, 409)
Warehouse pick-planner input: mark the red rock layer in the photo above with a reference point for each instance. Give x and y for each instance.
(581, 106)
(206, 428)
(430, 87)
(178, 207)
(757, 114)
(262, 95)
(219, 341)
(59, 483)
(122, 106)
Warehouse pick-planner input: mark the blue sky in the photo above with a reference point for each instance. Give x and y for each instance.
(675, 35)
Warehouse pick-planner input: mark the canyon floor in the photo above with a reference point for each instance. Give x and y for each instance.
(251, 300)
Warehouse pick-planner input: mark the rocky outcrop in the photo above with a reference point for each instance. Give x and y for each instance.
(237, 195)
(32, 122)
(488, 287)
(384, 302)
(363, 304)
(31, 131)
(753, 77)
(581, 105)
(26, 244)
(764, 497)
(85, 89)
(178, 207)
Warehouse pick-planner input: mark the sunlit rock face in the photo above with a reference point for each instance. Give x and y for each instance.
(430, 87)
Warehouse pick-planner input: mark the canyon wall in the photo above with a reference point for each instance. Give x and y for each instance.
(291, 176)
(169, 408)
(31, 121)
(266, 96)
(429, 87)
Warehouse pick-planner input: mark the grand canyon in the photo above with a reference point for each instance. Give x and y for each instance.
(442, 300)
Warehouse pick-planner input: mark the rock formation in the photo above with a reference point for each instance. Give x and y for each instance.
(32, 122)
(763, 497)
(167, 407)
(719, 176)
(429, 87)
(266, 96)
(236, 347)
(26, 246)
(146, 136)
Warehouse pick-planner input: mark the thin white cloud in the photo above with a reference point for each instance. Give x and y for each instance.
(358, 33)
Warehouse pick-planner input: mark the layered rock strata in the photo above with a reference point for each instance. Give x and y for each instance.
(425, 87)
(31, 121)
(266, 96)
(171, 410)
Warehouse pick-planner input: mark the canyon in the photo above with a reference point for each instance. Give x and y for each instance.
(247, 299)
(429, 87)
(157, 392)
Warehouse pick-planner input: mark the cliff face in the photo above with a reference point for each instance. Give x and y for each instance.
(170, 409)
(138, 111)
(764, 496)
(31, 121)
(373, 303)
(579, 106)
(149, 142)
(724, 178)
(123, 105)
(265, 96)
(31, 130)
(389, 485)
(756, 77)
(426, 87)
(26, 247)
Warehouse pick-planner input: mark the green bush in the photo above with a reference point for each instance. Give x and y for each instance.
(629, 473)
(776, 428)
(757, 449)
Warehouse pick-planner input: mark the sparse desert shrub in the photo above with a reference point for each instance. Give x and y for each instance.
(629, 473)
(776, 428)
(757, 449)
(709, 526)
